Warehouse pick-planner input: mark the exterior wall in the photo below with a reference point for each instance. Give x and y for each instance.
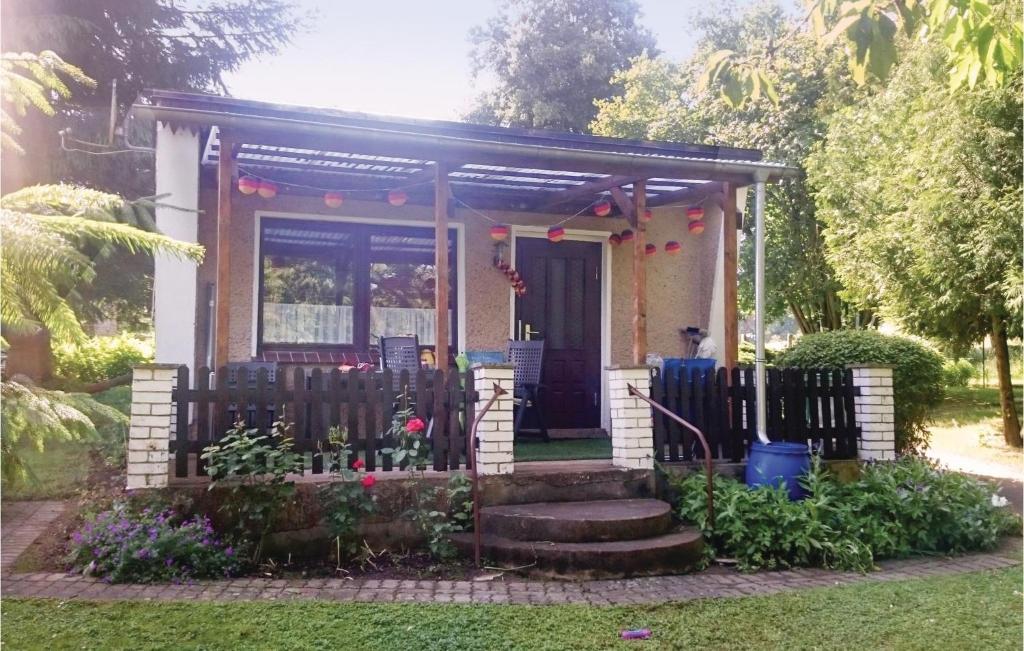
(678, 287)
(632, 425)
(150, 431)
(874, 409)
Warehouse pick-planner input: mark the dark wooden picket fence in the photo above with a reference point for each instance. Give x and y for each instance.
(362, 403)
(813, 406)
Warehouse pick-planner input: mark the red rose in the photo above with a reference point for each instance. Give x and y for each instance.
(415, 425)
(368, 481)
(358, 464)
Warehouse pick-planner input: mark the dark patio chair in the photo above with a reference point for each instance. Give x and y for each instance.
(249, 382)
(527, 358)
(401, 354)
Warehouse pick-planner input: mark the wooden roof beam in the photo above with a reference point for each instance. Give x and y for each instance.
(686, 194)
(587, 190)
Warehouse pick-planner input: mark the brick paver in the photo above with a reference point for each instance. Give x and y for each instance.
(716, 582)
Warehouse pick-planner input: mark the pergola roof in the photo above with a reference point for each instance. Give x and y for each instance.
(311, 151)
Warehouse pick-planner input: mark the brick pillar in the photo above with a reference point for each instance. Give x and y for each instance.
(150, 432)
(632, 424)
(874, 411)
(495, 436)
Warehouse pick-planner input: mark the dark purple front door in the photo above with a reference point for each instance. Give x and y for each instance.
(562, 306)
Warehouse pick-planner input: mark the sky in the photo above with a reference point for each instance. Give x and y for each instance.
(405, 57)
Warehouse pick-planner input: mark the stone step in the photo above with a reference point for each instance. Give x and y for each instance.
(671, 553)
(571, 481)
(578, 522)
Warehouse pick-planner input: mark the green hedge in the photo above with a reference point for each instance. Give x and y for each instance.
(101, 358)
(917, 373)
(957, 373)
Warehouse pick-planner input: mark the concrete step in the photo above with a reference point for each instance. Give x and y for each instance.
(578, 522)
(670, 553)
(565, 481)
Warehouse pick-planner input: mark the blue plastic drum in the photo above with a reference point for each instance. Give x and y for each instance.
(778, 463)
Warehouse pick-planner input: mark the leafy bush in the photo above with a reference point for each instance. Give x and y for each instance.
(917, 373)
(345, 500)
(121, 547)
(101, 358)
(255, 470)
(957, 373)
(894, 509)
(747, 354)
(436, 522)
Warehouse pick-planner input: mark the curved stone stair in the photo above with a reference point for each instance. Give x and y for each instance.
(592, 539)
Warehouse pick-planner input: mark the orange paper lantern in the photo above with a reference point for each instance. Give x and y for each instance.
(650, 249)
(267, 189)
(696, 227)
(627, 235)
(646, 215)
(397, 197)
(556, 233)
(693, 213)
(499, 232)
(334, 199)
(673, 247)
(248, 184)
(614, 239)
(602, 208)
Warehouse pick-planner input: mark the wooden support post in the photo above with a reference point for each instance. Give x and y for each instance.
(222, 316)
(731, 345)
(441, 209)
(639, 274)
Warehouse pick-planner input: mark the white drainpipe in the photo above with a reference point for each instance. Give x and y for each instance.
(759, 359)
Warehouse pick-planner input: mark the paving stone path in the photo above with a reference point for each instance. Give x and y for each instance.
(716, 582)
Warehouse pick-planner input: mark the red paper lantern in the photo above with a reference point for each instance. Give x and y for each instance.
(248, 184)
(334, 199)
(602, 208)
(556, 233)
(673, 247)
(397, 197)
(499, 232)
(650, 249)
(696, 227)
(646, 215)
(627, 236)
(267, 189)
(693, 213)
(614, 239)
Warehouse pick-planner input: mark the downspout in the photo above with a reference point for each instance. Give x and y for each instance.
(759, 358)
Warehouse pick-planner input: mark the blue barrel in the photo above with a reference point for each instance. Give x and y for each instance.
(675, 366)
(778, 463)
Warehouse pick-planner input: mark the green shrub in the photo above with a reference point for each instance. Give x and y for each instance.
(747, 354)
(101, 358)
(957, 373)
(894, 509)
(917, 373)
(346, 499)
(120, 546)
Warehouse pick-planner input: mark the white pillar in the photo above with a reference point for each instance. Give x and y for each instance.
(494, 435)
(174, 279)
(759, 360)
(632, 423)
(874, 410)
(150, 432)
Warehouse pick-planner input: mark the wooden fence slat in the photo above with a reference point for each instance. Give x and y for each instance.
(849, 391)
(439, 443)
(181, 448)
(660, 421)
(372, 403)
(334, 400)
(839, 412)
(453, 399)
(317, 430)
(724, 441)
(203, 417)
(468, 418)
(686, 411)
(674, 432)
(825, 391)
(355, 440)
(387, 415)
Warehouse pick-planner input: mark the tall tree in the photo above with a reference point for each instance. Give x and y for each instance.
(920, 188)
(660, 100)
(138, 44)
(550, 59)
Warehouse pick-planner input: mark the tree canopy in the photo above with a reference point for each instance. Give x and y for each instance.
(662, 100)
(550, 59)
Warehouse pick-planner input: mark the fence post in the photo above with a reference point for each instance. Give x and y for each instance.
(495, 435)
(150, 431)
(632, 423)
(874, 409)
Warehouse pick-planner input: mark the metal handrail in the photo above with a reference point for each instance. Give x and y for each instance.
(708, 463)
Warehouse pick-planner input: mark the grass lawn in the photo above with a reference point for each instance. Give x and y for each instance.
(967, 424)
(973, 611)
(563, 449)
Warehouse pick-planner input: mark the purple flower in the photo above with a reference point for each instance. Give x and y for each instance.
(142, 553)
(169, 562)
(230, 551)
